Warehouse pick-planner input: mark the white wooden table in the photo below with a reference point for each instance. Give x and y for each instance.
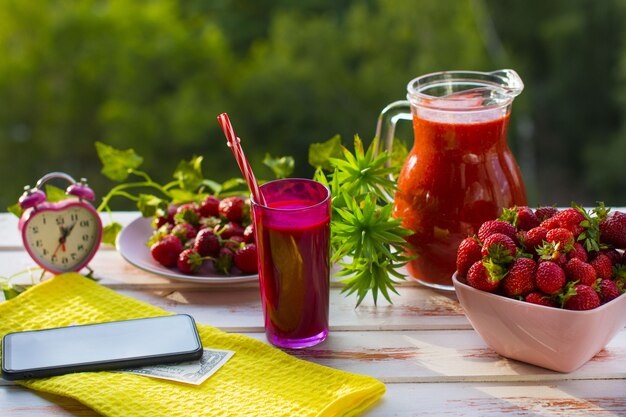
(422, 347)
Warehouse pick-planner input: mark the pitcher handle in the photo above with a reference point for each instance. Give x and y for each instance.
(386, 127)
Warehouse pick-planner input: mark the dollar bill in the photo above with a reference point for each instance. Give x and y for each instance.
(193, 372)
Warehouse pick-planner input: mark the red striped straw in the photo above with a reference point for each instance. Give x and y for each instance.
(234, 143)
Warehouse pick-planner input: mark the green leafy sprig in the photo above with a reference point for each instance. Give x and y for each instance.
(367, 241)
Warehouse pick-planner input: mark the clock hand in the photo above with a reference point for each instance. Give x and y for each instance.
(61, 245)
(64, 233)
(69, 229)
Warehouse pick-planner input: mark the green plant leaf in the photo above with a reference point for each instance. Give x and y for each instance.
(110, 232)
(117, 163)
(182, 196)
(362, 226)
(54, 194)
(189, 174)
(214, 186)
(320, 153)
(234, 186)
(281, 167)
(15, 209)
(148, 204)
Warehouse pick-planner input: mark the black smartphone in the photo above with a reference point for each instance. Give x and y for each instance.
(101, 346)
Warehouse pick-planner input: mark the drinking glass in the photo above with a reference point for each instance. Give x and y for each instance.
(293, 246)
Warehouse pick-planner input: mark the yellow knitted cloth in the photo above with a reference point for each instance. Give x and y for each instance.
(257, 381)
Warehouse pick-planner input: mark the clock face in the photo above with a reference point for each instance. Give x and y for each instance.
(64, 238)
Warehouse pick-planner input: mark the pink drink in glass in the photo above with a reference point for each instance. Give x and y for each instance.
(293, 243)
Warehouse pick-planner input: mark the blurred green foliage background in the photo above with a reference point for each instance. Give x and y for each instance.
(153, 75)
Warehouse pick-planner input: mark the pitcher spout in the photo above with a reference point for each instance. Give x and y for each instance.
(510, 81)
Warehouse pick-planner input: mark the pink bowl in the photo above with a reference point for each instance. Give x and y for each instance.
(556, 339)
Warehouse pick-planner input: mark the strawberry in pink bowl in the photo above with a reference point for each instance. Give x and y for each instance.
(555, 300)
(554, 338)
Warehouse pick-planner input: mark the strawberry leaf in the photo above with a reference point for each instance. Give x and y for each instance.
(214, 186)
(189, 174)
(116, 164)
(234, 184)
(54, 194)
(15, 209)
(281, 167)
(182, 196)
(148, 204)
(110, 232)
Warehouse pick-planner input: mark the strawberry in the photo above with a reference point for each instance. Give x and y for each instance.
(571, 219)
(248, 233)
(189, 261)
(468, 253)
(163, 217)
(526, 219)
(234, 209)
(160, 233)
(603, 266)
(607, 290)
(209, 207)
(563, 238)
(613, 230)
(544, 213)
(246, 259)
(234, 243)
(550, 223)
(229, 230)
(520, 279)
(499, 247)
(581, 297)
(578, 251)
(537, 297)
(613, 255)
(187, 213)
(496, 226)
(224, 261)
(166, 250)
(534, 239)
(481, 278)
(550, 277)
(577, 270)
(184, 231)
(207, 243)
(522, 217)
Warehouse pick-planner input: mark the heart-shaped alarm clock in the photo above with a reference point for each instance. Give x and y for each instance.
(60, 236)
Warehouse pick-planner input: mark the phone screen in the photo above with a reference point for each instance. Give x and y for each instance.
(129, 340)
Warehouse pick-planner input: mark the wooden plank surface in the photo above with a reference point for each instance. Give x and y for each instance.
(601, 398)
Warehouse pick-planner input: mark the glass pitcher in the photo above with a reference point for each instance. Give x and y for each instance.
(460, 171)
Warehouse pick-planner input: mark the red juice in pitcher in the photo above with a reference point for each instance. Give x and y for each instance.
(459, 174)
(293, 243)
(460, 171)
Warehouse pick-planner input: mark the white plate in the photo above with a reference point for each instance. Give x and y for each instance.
(131, 243)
